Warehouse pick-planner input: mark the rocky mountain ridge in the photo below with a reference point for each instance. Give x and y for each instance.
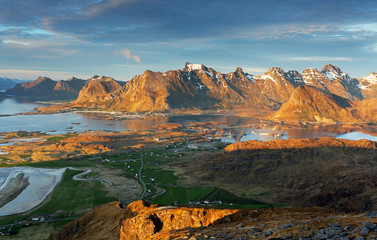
(199, 87)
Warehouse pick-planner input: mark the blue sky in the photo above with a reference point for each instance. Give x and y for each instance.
(122, 38)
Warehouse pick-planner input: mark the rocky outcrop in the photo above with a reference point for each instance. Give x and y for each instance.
(102, 222)
(280, 223)
(153, 222)
(312, 104)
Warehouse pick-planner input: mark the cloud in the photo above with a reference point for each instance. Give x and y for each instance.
(104, 7)
(33, 74)
(127, 54)
(320, 59)
(290, 30)
(16, 42)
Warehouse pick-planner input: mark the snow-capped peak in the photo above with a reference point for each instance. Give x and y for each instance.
(370, 79)
(192, 67)
(330, 75)
(295, 76)
(333, 72)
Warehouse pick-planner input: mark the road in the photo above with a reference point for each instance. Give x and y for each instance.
(77, 177)
(141, 180)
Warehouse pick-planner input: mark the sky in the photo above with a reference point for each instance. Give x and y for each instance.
(123, 38)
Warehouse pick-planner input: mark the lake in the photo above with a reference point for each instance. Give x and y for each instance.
(84, 121)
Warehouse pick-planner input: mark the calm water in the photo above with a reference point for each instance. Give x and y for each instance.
(79, 122)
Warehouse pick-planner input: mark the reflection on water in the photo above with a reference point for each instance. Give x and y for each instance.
(268, 134)
(263, 135)
(357, 136)
(84, 121)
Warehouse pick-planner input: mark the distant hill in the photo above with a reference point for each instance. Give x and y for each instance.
(38, 88)
(45, 88)
(7, 83)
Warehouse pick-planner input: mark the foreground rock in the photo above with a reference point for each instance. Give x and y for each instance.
(141, 221)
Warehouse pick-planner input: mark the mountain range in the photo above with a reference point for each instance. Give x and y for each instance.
(313, 95)
(198, 86)
(7, 83)
(45, 88)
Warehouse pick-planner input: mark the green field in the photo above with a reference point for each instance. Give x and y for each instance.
(72, 199)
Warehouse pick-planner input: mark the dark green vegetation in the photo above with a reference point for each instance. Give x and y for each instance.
(157, 173)
(341, 178)
(183, 196)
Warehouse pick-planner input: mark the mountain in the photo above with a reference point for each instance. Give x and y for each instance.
(367, 110)
(326, 95)
(6, 83)
(309, 103)
(195, 86)
(368, 85)
(45, 88)
(68, 89)
(278, 85)
(333, 80)
(97, 93)
(198, 86)
(40, 87)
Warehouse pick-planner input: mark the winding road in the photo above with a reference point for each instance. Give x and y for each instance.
(141, 180)
(77, 177)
